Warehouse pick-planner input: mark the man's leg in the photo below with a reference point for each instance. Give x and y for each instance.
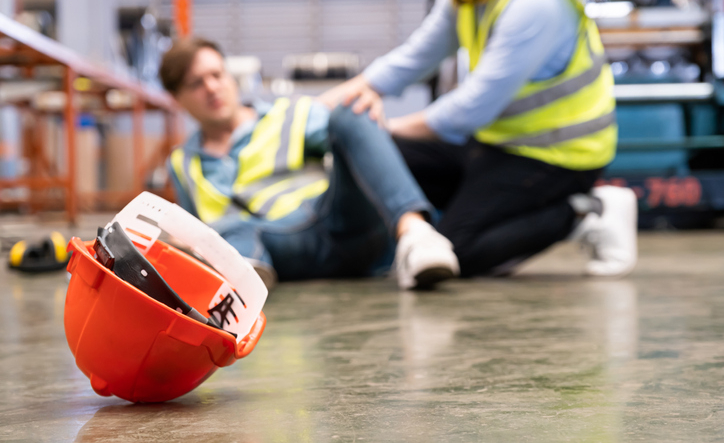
(352, 234)
(509, 207)
(366, 159)
(438, 167)
(604, 220)
(244, 236)
(375, 166)
(503, 207)
(498, 249)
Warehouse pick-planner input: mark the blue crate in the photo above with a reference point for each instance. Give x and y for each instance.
(665, 122)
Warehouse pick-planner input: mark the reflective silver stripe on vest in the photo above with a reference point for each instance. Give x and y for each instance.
(550, 95)
(281, 160)
(250, 190)
(567, 133)
(299, 179)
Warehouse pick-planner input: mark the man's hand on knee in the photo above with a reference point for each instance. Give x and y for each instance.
(358, 93)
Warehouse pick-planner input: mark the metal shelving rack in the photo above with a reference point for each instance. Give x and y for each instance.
(30, 51)
(682, 197)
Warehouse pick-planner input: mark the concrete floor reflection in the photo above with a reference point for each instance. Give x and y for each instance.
(544, 356)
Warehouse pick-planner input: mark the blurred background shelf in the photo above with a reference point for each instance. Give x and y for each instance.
(664, 92)
(641, 38)
(60, 96)
(669, 106)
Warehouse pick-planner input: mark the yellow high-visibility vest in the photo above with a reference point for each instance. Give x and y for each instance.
(272, 180)
(567, 121)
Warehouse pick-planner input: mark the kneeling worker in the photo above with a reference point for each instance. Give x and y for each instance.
(511, 154)
(251, 174)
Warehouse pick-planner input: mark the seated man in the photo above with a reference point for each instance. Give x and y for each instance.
(250, 173)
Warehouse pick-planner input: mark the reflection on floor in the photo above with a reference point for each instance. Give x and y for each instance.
(544, 356)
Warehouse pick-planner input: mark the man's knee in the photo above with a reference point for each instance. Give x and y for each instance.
(343, 123)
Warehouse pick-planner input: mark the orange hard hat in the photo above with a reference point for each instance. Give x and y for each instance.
(137, 348)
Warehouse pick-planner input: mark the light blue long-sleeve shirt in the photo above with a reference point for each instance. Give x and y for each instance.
(531, 40)
(222, 171)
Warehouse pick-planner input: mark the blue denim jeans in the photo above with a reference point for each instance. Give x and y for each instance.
(343, 232)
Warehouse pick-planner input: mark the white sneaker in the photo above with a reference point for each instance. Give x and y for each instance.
(612, 235)
(424, 257)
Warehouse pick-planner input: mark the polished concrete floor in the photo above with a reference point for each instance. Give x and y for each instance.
(545, 356)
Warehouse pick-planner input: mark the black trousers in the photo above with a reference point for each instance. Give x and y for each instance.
(496, 206)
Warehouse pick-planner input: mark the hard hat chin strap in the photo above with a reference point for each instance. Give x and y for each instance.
(148, 215)
(116, 252)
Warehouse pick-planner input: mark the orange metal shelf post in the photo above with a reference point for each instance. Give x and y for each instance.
(22, 47)
(70, 116)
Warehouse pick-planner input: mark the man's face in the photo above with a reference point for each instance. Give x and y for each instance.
(208, 92)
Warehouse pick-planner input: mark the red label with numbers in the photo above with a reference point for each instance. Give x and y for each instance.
(674, 192)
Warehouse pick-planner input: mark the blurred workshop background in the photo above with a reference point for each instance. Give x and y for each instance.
(545, 356)
(85, 126)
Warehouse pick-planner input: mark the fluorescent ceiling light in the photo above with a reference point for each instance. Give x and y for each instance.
(609, 9)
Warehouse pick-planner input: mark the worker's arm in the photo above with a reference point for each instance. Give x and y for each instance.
(413, 126)
(416, 59)
(532, 39)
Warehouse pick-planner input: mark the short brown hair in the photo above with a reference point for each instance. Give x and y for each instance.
(178, 59)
